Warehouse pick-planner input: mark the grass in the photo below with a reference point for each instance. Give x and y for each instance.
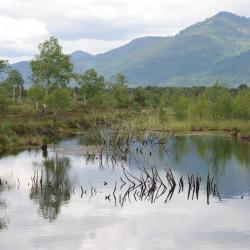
(225, 125)
(151, 121)
(24, 130)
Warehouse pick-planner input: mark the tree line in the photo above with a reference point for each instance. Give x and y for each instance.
(57, 88)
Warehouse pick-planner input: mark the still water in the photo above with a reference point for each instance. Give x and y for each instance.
(73, 197)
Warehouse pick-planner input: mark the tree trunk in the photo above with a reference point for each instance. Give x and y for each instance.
(13, 94)
(20, 95)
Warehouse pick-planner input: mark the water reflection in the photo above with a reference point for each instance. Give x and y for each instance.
(51, 186)
(216, 150)
(227, 160)
(3, 218)
(4, 186)
(162, 202)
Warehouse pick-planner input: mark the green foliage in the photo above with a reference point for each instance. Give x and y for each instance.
(14, 85)
(3, 140)
(14, 140)
(140, 96)
(36, 96)
(45, 140)
(4, 100)
(6, 128)
(99, 102)
(220, 101)
(120, 94)
(3, 65)
(181, 108)
(200, 109)
(241, 105)
(90, 84)
(51, 68)
(165, 114)
(120, 79)
(142, 121)
(59, 99)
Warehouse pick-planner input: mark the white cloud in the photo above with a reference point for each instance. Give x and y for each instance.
(20, 37)
(97, 25)
(21, 29)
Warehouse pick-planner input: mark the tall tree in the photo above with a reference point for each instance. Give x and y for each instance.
(4, 100)
(51, 68)
(241, 104)
(140, 96)
(91, 84)
(120, 92)
(220, 100)
(36, 96)
(59, 99)
(181, 108)
(121, 95)
(14, 83)
(120, 79)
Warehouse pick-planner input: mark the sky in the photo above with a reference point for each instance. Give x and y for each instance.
(96, 26)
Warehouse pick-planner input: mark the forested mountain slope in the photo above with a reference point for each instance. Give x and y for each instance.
(215, 49)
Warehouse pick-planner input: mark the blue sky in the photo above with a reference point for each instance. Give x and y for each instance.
(96, 26)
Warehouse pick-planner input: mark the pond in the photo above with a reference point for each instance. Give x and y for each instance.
(182, 192)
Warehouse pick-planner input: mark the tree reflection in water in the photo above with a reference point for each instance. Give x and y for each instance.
(52, 187)
(179, 147)
(3, 224)
(3, 219)
(216, 150)
(4, 185)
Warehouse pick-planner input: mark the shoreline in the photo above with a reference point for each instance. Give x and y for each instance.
(16, 133)
(16, 148)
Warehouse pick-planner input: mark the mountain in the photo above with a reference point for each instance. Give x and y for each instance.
(217, 48)
(79, 55)
(234, 68)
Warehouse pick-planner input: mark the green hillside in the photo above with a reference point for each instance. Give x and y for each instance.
(202, 53)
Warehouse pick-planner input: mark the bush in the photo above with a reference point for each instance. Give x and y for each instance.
(59, 100)
(14, 140)
(45, 140)
(4, 100)
(3, 140)
(6, 128)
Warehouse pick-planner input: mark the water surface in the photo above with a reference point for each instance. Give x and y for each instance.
(75, 208)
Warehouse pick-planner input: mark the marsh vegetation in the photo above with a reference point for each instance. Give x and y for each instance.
(61, 102)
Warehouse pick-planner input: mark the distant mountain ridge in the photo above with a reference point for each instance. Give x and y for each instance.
(215, 49)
